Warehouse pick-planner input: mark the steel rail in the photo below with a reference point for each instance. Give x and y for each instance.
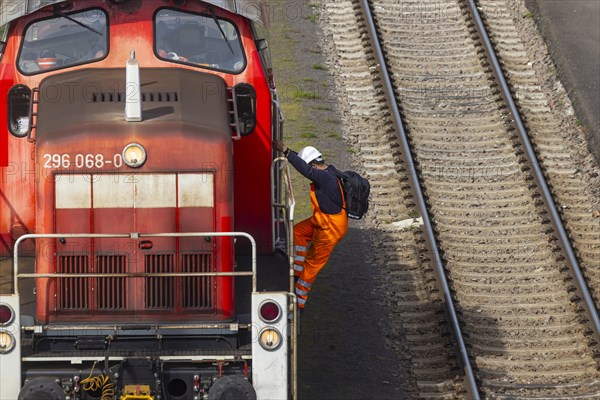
(565, 243)
(471, 384)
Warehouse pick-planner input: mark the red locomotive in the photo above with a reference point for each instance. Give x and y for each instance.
(141, 204)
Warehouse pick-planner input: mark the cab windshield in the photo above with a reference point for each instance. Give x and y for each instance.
(64, 41)
(200, 40)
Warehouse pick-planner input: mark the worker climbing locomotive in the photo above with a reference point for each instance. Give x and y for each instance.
(141, 202)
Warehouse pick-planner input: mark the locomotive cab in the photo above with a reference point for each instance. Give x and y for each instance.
(142, 205)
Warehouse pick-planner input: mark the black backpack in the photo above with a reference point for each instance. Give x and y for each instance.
(356, 192)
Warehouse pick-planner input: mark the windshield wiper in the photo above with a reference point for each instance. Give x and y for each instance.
(59, 13)
(214, 16)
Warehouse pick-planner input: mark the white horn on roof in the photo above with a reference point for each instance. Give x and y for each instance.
(133, 90)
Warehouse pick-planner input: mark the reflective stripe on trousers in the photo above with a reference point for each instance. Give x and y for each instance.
(299, 258)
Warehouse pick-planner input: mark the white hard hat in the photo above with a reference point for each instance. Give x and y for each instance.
(310, 154)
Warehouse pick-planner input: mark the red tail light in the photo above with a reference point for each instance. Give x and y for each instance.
(6, 314)
(269, 311)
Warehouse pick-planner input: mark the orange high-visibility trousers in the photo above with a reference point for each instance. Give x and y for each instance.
(314, 240)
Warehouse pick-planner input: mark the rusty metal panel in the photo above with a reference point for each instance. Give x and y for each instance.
(73, 191)
(155, 190)
(200, 103)
(113, 191)
(196, 190)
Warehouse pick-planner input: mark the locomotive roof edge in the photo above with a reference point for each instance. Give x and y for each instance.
(254, 10)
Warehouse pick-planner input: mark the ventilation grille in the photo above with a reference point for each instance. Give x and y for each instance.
(151, 97)
(160, 292)
(73, 294)
(197, 291)
(111, 293)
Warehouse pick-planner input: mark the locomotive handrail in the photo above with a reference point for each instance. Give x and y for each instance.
(430, 238)
(291, 199)
(135, 275)
(289, 207)
(136, 327)
(565, 243)
(21, 239)
(275, 102)
(277, 120)
(277, 202)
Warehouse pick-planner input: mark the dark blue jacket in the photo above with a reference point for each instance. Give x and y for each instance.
(327, 189)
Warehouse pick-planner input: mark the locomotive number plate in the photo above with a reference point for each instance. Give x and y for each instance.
(82, 161)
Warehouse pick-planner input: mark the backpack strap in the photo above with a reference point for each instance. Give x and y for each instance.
(339, 177)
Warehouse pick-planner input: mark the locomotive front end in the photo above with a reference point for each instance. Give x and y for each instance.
(151, 294)
(104, 175)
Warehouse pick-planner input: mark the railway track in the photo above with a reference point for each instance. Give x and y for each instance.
(524, 328)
